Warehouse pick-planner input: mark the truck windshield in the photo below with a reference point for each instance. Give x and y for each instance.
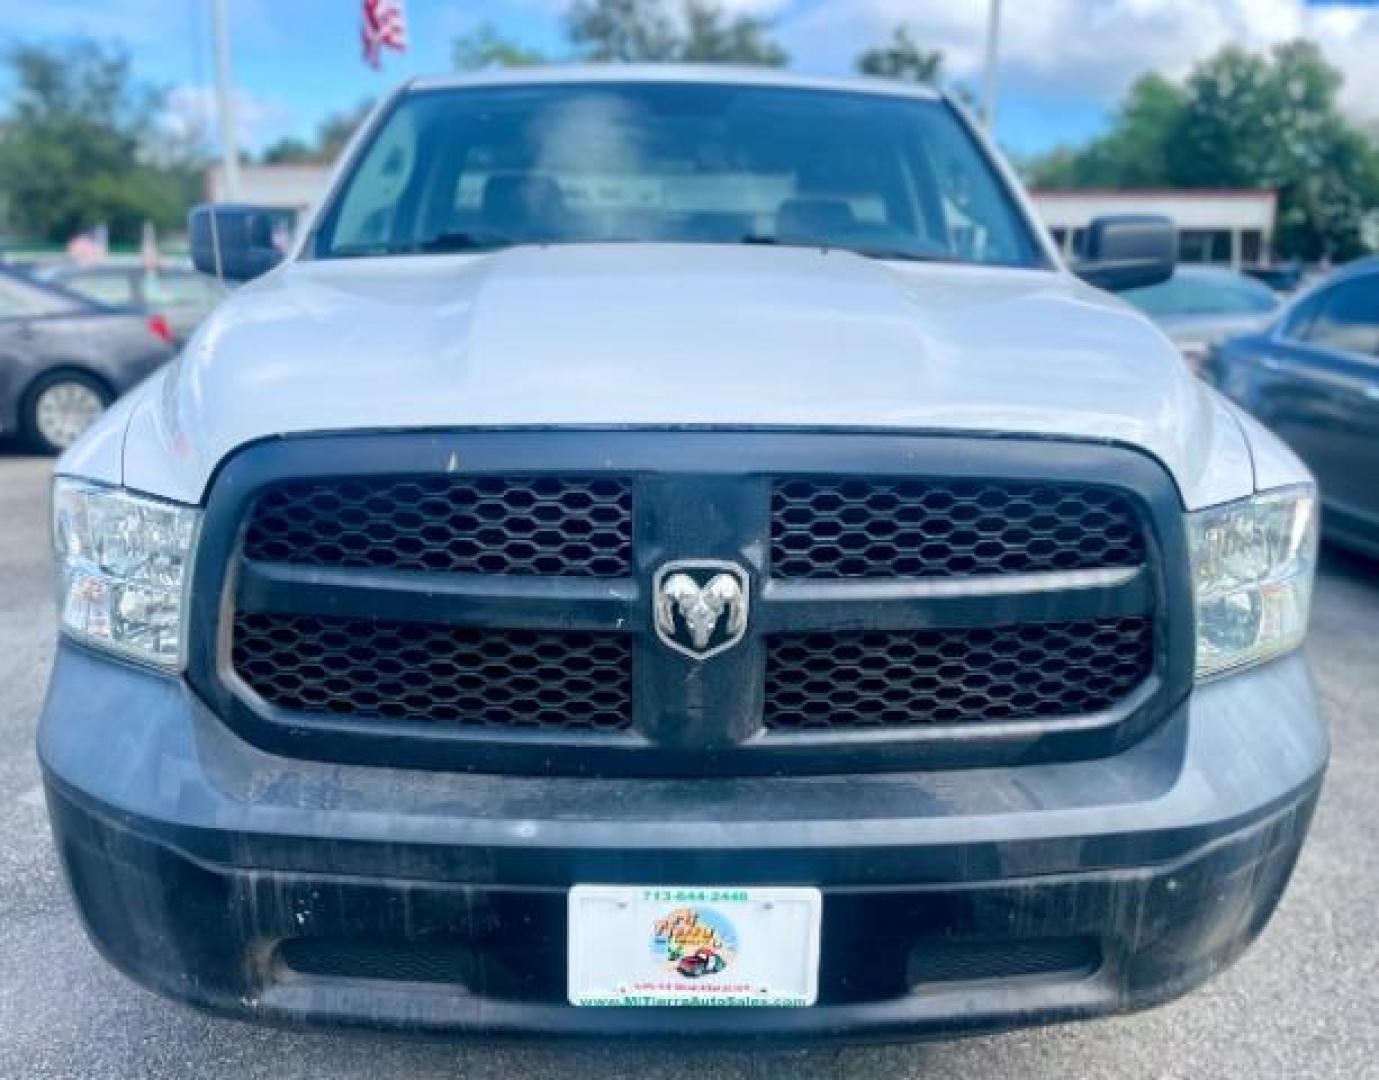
(481, 168)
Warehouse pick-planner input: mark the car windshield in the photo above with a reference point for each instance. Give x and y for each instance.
(1206, 294)
(477, 169)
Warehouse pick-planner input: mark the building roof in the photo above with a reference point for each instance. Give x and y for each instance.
(1190, 208)
(1154, 192)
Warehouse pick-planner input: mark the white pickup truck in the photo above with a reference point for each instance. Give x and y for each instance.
(668, 537)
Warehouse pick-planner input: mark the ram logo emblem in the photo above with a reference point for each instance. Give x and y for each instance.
(700, 606)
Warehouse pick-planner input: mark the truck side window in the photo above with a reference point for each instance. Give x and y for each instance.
(367, 212)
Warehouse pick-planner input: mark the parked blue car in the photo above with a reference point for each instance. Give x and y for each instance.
(1313, 376)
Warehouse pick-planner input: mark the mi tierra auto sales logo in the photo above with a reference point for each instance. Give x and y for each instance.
(693, 942)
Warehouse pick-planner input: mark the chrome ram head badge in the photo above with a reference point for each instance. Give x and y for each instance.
(700, 606)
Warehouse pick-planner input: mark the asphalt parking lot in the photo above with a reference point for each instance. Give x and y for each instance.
(1303, 1003)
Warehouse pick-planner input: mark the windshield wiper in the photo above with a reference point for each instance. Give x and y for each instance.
(901, 255)
(896, 254)
(487, 240)
(465, 241)
(441, 243)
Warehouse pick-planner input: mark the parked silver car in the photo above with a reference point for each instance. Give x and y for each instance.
(64, 358)
(180, 298)
(1202, 306)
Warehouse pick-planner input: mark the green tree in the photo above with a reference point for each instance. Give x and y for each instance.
(902, 58)
(711, 37)
(654, 31)
(1272, 121)
(1248, 120)
(1134, 153)
(333, 133)
(1057, 169)
(487, 48)
(622, 31)
(289, 150)
(75, 147)
(338, 128)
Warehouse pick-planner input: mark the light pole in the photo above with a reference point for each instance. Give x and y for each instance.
(225, 100)
(993, 59)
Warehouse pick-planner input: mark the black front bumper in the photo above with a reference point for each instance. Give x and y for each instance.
(289, 891)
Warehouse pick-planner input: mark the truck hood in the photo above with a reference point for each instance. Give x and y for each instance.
(676, 335)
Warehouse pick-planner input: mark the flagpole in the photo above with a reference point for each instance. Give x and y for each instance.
(225, 100)
(993, 53)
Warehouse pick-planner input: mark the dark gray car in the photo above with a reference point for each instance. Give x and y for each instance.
(1313, 376)
(64, 358)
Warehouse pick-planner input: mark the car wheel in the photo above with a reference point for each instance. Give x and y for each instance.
(60, 407)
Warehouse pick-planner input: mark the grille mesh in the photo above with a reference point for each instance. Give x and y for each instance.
(558, 680)
(853, 528)
(939, 960)
(882, 679)
(498, 965)
(345, 958)
(487, 678)
(559, 526)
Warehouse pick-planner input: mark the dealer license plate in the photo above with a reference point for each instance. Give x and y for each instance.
(680, 945)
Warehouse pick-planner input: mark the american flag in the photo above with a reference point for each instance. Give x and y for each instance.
(384, 27)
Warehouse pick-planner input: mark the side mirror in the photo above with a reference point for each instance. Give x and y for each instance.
(234, 243)
(1128, 251)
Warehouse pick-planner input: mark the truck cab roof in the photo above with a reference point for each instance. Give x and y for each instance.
(706, 74)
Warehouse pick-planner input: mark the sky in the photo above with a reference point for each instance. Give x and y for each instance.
(1065, 63)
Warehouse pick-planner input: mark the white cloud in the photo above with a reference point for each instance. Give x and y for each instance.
(1092, 48)
(764, 8)
(190, 117)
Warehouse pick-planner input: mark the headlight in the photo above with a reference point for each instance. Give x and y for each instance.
(1252, 567)
(123, 566)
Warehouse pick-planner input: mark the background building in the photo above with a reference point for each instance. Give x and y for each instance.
(282, 187)
(1227, 227)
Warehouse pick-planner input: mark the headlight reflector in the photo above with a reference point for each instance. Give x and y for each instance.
(1253, 563)
(123, 566)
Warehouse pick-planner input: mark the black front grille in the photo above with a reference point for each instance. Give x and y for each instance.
(861, 528)
(367, 669)
(1044, 671)
(485, 600)
(548, 525)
